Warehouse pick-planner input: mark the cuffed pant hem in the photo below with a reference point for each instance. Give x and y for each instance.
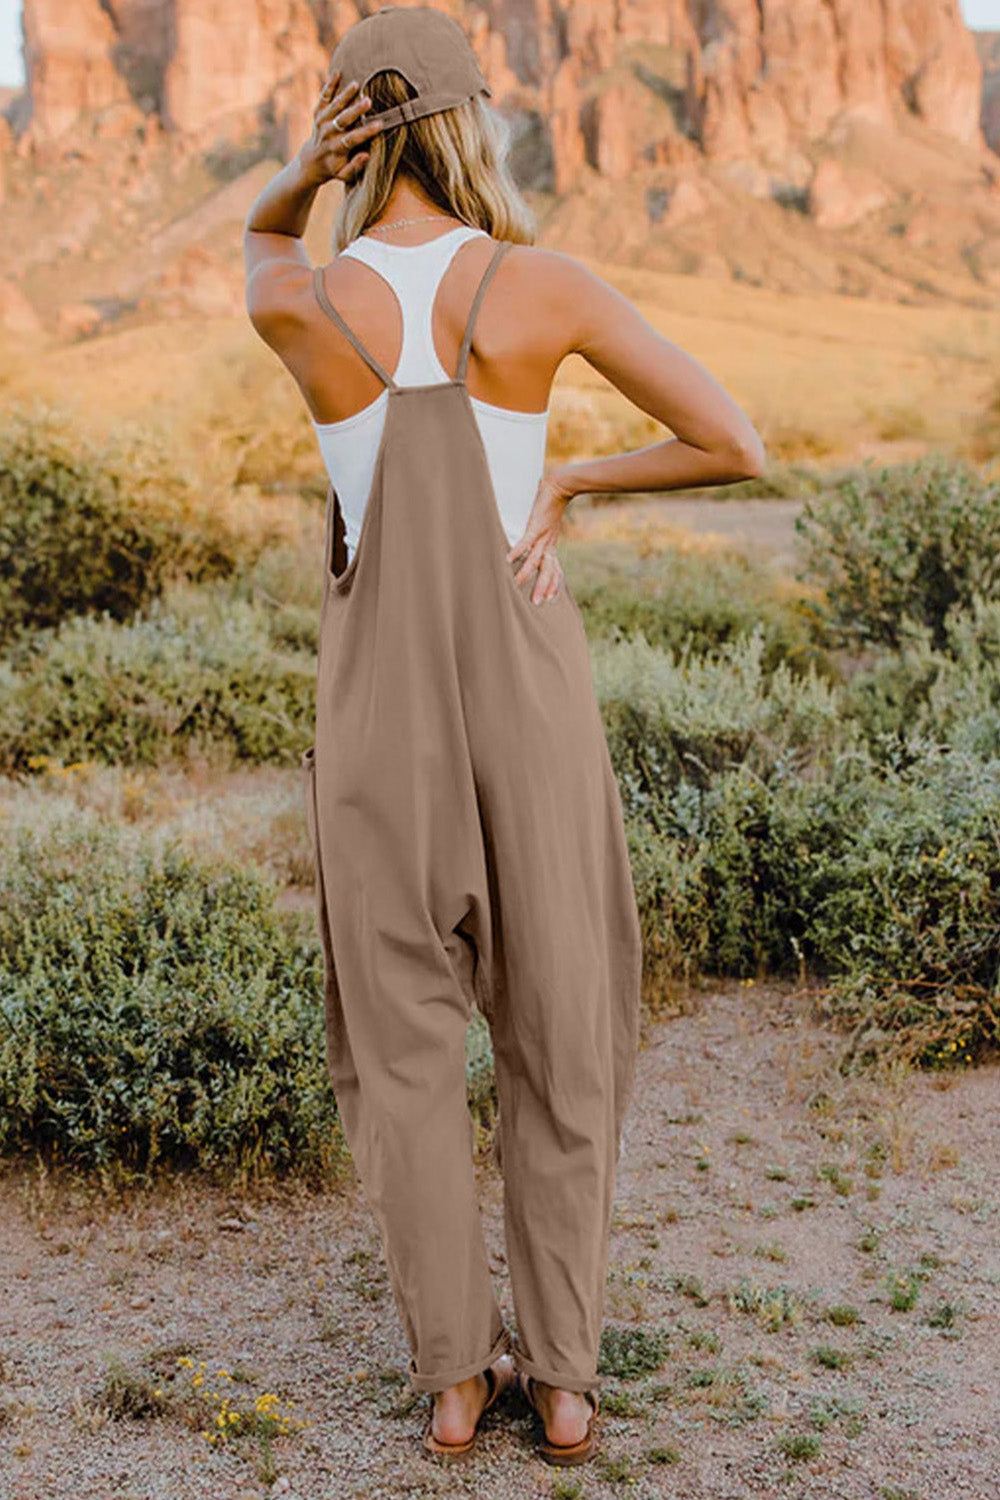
(559, 1378)
(443, 1380)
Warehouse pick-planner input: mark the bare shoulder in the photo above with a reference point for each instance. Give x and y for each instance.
(556, 272)
(566, 290)
(277, 296)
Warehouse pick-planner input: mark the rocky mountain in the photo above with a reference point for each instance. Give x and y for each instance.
(988, 47)
(619, 85)
(647, 127)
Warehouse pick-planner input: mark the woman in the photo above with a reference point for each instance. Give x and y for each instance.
(469, 842)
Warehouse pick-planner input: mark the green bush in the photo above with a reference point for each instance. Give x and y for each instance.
(780, 826)
(692, 602)
(90, 528)
(908, 916)
(155, 1012)
(199, 672)
(628, 1353)
(883, 880)
(689, 719)
(160, 1012)
(902, 544)
(951, 696)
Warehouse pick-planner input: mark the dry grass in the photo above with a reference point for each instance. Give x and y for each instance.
(252, 817)
(825, 378)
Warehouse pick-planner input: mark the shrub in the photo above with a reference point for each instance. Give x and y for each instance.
(674, 910)
(88, 528)
(691, 718)
(154, 1011)
(194, 674)
(691, 601)
(479, 1073)
(628, 1353)
(900, 544)
(158, 1011)
(882, 879)
(950, 695)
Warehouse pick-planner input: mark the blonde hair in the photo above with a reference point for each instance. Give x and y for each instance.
(458, 157)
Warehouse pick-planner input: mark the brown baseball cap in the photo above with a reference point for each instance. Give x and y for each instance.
(426, 46)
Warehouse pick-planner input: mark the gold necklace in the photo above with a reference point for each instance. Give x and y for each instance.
(394, 223)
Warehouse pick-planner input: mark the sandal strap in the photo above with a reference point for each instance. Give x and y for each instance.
(528, 1386)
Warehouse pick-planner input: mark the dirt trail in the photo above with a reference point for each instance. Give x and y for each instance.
(762, 529)
(757, 1190)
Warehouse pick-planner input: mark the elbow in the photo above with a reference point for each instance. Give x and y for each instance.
(746, 458)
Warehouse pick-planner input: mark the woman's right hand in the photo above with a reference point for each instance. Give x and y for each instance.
(331, 151)
(538, 540)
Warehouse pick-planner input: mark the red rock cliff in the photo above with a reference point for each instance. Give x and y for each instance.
(616, 85)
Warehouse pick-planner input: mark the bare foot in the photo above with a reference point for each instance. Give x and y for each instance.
(458, 1408)
(565, 1413)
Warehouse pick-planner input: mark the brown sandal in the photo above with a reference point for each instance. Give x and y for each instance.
(498, 1377)
(562, 1453)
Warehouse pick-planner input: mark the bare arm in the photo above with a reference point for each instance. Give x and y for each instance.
(715, 441)
(277, 218)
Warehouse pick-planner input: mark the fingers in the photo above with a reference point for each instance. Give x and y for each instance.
(538, 547)
(347, 143)
(329, 84)
(336, 113)
(342, 131)
(526, 543)
(353, 168)
(548, 580)
(330, 97)
(540, 556)
(346, 107)
(329, 93)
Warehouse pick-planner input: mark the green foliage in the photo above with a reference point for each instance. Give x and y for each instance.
(773, 1307)
(778, 820)
(903, 1289)
(691, 601)
(662, 1456)
(770, 832)
(158, 1012)
(902, 544)
(155, 1012)
(627, 1353)
(830, 1357)
(128, 1394)
(799, 1445)
(479, 1074)
(951, 694)
(156, 688)
(92, 529)
(907, 910)
(686, 719)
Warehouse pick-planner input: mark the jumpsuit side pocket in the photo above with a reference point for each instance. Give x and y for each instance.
(307, 767)
(335, 1033)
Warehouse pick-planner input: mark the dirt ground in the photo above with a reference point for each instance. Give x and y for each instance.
(763, 529)
(758, 1190)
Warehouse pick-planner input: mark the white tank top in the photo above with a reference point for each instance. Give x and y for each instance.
(514, 440)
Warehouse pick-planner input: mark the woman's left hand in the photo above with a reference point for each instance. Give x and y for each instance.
(537, 542)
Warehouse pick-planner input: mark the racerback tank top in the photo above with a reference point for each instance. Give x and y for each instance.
(514, 440)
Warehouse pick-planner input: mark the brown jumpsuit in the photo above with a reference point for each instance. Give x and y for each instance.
(470, 848)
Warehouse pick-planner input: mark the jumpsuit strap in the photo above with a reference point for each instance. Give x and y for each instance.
(345, 328)
(463, 357)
